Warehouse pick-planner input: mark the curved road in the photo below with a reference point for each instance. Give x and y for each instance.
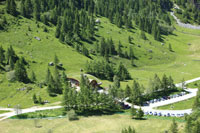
(190, 26)
(192, 93)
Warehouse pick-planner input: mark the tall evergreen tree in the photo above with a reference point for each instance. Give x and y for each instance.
(2, 55)
(36, 10)
(20, 72)
(33, 77)
(174, 127)
(22, 8)
(28, 8)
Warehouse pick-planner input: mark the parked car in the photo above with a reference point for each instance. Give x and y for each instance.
(173, 115)
(168, 114)
(146, 113)
(155, 114)
(150, 113)
(159, 114)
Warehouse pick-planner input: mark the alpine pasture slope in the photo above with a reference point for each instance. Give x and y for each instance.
(182, 63)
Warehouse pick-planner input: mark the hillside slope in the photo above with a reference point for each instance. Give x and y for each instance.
(152, 56)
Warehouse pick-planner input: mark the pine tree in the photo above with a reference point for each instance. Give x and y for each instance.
(196, 128)
(51, 86)
(33, 77)
(58, 85)
(133, 111)
(28, 8)
(196, 104)
(48, 75)
(188, 125)
(174, 127)
(2, 55)
(119, 51)
(170, 48)
(36, 10)
(58, 28)
(56, 60)
(65, 101)
(165, 83)
(131, 54)
(11, 7)
(116, 81)
(11, 63)
(22, 8)
(40, 100)
(35, 99)
(139, 114)
(20, 72)
(127, 91)
(136, 93)
(143, 36)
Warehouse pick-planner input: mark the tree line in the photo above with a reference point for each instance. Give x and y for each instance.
(75, 19)
(88, 100)
(106, 70)
(15, 66)
(157, 87)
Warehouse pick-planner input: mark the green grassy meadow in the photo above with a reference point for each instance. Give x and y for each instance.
(97, 124)
(186, 104)
(3, 111)
(193, 85)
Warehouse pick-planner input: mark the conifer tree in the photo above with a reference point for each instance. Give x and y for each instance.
(174, 127)
(40, 100)
(136, 93)
(58, 85)
(20, 71)
(51, 86)
(35, 99)
(11, 63)
(56, 60)
(33, 77)
(11, 7)
(196, 104)
(28, 8)
(58, 28)
(127, 91)
(165, 83)
(48, 75)
(22, 8)
(170, 47)
(2, 55)
(131, 54)
(188, 125)
(116, 81)
(36, 10)
(119, 51)
(139, 114)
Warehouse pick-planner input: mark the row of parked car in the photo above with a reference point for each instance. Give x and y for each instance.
(163, 98)
(164, 114)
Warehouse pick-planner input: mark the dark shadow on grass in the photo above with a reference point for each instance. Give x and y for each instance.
(98, 113)
(142, 119)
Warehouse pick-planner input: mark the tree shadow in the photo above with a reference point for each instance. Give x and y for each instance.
(98, 113)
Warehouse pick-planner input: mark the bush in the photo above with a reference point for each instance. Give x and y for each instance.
(11, 76)
(72, 115)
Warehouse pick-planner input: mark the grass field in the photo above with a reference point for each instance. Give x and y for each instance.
(3, 111)
(42, 114)
(194, 84)
(187, 104)
(93, 124)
